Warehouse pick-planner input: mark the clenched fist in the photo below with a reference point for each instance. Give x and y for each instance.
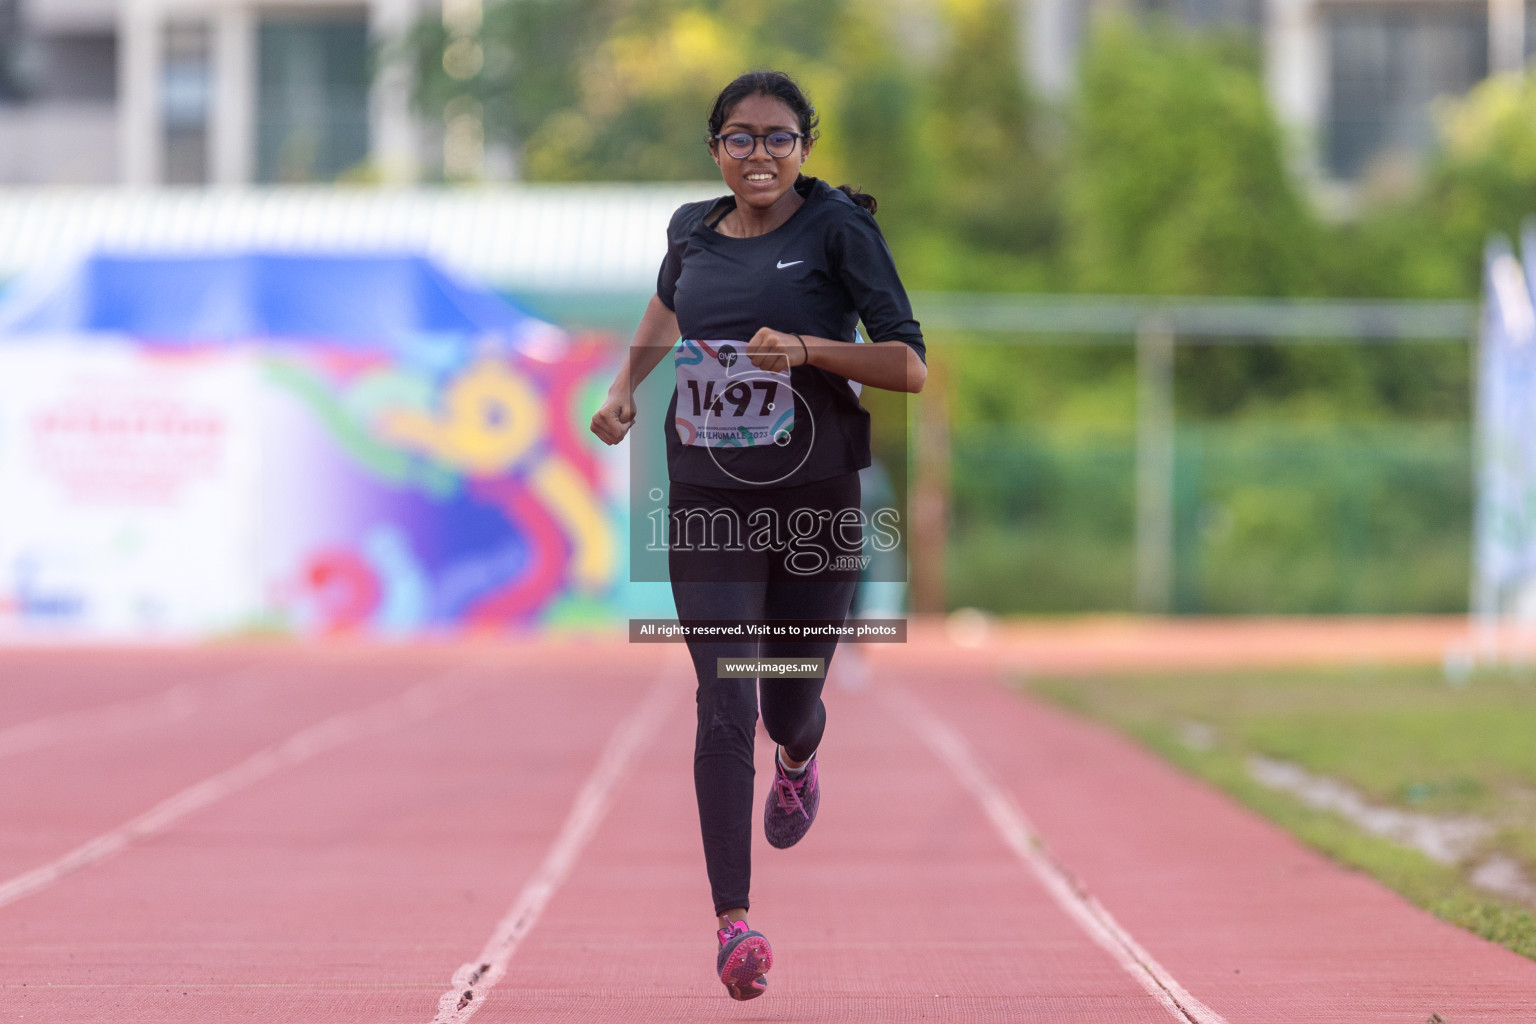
(613, 420)
(776, 351)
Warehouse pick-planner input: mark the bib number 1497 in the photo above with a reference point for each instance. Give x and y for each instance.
(723, 401)
(739, 395)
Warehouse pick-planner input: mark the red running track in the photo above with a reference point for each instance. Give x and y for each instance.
(347, 834)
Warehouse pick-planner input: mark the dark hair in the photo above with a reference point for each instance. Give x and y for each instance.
(779, 86)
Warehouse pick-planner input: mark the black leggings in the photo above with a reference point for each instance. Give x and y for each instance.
(746, 585)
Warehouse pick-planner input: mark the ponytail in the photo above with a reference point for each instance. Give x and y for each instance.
(860, 197)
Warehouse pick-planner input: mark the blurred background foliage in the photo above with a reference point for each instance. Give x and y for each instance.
(1312, 477)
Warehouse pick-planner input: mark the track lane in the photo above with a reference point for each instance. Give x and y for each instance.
(901, 904)
(352, 887)
(1030, 847)
(55, 797)
(39, 687)
(396, 711)
(474, 981)
(347, 889)
(1254, 924)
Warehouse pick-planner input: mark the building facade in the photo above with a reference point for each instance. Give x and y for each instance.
(1358, 78)
(202, 92)
(233, 92)
(1353, 80)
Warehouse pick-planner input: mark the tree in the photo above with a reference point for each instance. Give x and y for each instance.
(516, 68)
(986, 189)
(619, 90)
(1483, 177)
(1177, 182)
(1480, 179)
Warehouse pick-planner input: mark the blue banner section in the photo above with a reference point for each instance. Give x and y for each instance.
(353, 301)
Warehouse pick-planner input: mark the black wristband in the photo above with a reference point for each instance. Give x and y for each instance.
(806, 351)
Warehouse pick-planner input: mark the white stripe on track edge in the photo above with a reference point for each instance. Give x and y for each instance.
(121, 716)
(1069, 893)
(472, 981)
(131, 714)
(419, 702)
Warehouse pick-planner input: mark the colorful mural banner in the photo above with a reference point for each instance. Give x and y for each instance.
(309, 489)
(425, 498)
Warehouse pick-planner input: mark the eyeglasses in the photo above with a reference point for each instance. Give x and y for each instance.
(742, 144)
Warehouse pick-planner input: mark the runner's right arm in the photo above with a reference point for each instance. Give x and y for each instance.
(654, 338)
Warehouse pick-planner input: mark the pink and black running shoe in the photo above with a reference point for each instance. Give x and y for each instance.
(792, 805)
(744, 960)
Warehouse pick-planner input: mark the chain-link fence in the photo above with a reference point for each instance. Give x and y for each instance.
(1156, 511)
(1266, 519)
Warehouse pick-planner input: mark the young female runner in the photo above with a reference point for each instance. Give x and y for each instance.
(765, 438)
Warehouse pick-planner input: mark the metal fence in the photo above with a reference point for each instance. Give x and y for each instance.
(1346, 519)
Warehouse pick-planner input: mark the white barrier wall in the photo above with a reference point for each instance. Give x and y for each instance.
(128, 492)
(570, 237)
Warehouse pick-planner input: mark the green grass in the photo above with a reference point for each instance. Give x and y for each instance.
(1401, 737)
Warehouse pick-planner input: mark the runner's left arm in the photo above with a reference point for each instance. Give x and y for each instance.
(897, 361)
(891, 365)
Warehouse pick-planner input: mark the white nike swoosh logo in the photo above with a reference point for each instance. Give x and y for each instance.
(783, 265)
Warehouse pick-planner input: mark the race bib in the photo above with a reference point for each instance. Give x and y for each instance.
(723, 401)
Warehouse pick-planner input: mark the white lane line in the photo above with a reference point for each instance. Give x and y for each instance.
(472, 981)
(106, 720)
(1069, 893)
(119, 717)
(412, 705)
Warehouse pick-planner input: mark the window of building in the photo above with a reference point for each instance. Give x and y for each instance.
(1248, 13)
(78, 67)
(312, 98)
(69, 66)
(185, 88)
(1387, 68)
(10, 52)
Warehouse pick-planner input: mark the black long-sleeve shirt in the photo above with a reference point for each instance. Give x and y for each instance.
(819, 273)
